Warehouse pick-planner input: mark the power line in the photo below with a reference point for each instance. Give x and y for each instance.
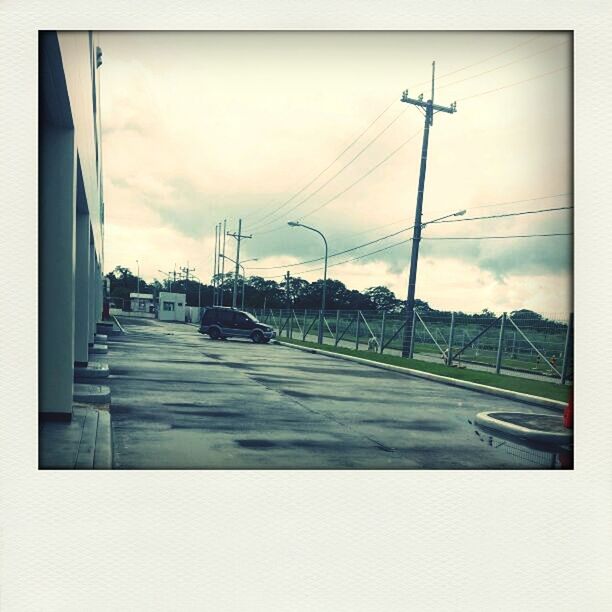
(489, 205)
(496, 237)
(343, 191)
(520, 59)
(405, 229)
(446, 74)
(391, 246)
(348, 163)
(327, 167)
(537, 76)
(515, 214)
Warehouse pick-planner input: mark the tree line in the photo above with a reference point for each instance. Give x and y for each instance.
(265, 293)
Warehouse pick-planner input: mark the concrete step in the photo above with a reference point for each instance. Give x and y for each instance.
(100, 338)
(91, 394)
(98, 349)
(94, 369)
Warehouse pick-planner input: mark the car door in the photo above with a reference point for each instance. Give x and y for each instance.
(243, 325)
(226, 322)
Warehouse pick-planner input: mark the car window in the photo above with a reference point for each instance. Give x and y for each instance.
(241, 318)
(209, 316)
(226, 317)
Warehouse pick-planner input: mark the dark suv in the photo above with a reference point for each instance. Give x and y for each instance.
(222, 322)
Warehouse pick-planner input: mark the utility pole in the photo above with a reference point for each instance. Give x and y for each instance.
(222, 262)
(239, 236)
(430, 110)
(174, 281)
(187, 270)
(215, 262)
(287, 277)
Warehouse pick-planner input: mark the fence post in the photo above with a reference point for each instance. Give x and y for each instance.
(500, 345)
(411, 350)
(291, 315)
(320, 328)
(304, 328)
(568, 348)
(449, 356)
(382, 334)
(337, 327)
(357, 330)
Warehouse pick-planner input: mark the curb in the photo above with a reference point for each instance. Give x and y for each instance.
(505, 393)
(103, 454)
(490, 421)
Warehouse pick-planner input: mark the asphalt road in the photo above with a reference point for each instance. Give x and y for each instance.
(181, 400)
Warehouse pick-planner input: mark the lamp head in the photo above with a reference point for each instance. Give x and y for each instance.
(293, 223)
(460, 213)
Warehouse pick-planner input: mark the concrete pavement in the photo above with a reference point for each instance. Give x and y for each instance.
(181, 400)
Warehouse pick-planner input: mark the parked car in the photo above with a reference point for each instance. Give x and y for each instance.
(221, 322)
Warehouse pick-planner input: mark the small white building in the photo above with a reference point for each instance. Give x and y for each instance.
(142, 302)
(171, 306)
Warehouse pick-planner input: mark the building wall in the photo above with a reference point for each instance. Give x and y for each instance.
(71, 213)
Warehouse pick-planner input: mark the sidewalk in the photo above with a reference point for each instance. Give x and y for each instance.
(83, 443)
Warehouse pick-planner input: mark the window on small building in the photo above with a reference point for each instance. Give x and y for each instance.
(169, 306)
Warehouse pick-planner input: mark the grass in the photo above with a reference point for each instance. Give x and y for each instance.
(538, 388)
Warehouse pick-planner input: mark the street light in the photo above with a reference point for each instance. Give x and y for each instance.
(416, 239)
(243, 272)
(298, 224)
(138, 284)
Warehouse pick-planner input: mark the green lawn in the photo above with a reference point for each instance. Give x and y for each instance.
(538, 388)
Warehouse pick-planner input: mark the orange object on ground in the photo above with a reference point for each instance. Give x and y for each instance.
(568, 413)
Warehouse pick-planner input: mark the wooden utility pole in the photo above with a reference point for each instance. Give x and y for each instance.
(430, 110)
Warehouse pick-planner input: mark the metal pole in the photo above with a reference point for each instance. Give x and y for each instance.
(500, 345)
(320, 339)
(412, 335)
(568, 348)
(237, 271)
(290, 326)
(449, 356)
(357, 331)
(138, 284)
(304, 333)
(382, 333)
(223, 262)
(337, 327)
(215, 263)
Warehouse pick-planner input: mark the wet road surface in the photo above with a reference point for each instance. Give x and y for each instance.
(181, 400)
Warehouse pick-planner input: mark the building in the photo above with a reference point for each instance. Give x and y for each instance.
(171, 306)
(71, 212)
(142, 302)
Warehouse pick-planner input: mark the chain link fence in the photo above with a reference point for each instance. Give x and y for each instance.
(521, 343)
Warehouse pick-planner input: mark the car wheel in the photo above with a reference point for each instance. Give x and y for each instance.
(257, 337)
(266, 340)
(214, 333)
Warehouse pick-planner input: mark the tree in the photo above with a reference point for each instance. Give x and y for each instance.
(383, 298)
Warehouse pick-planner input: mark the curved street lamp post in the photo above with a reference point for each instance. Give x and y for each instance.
(298, 224)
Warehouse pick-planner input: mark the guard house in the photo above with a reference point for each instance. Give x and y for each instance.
(171, 306)
(142, 302)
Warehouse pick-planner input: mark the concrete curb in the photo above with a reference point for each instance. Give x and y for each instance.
(103, 453)
(91, 394)
(93, 370)
(514, 395)
(490, 421)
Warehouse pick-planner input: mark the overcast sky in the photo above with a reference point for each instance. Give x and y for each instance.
(198, 127)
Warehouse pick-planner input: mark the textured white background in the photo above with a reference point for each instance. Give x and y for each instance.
(305, 540)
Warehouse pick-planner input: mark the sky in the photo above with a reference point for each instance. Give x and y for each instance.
(271, 127)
